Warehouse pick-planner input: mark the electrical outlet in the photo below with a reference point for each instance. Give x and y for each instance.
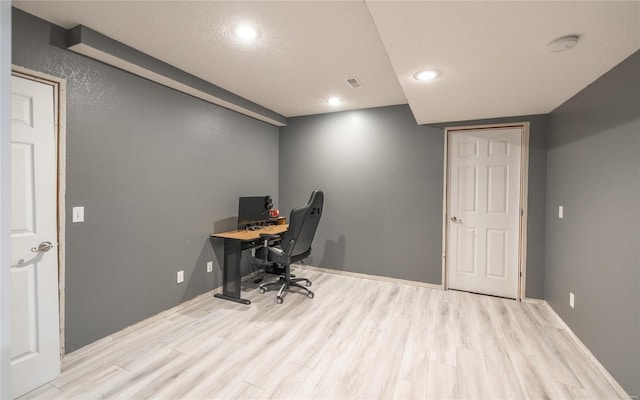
(571, 300)
(180, 276)
(560, 212)
(210, 266)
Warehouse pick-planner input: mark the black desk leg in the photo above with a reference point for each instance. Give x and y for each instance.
(231, 274)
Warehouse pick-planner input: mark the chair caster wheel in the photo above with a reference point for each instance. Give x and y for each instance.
(310, 295)
(308, 283)
(263, 290)
(279, 300)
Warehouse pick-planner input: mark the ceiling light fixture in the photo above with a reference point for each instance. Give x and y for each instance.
(426, 75)
(335, 101)
(246, 32)
(563, 43)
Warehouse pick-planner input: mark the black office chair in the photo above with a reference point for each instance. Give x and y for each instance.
(295, 245)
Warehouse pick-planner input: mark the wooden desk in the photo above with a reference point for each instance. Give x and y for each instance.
(234, 243)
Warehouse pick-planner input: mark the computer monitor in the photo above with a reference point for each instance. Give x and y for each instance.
(253, 210)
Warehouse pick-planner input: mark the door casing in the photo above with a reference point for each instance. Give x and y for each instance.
(59, 101)
(524, 184)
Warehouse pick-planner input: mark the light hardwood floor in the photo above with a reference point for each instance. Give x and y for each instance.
(357, 339)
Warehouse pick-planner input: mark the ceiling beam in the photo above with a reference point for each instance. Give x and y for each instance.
(95, 45)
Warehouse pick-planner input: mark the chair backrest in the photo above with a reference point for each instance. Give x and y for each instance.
(303, 222)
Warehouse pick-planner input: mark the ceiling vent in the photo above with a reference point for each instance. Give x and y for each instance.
(353, 82)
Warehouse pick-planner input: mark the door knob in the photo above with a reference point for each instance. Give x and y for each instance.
(44, 246)
(456, 220)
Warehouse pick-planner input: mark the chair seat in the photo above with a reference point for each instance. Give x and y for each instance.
(277, 255)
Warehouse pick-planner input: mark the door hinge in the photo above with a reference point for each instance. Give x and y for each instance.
(520, 274)
(522, 212)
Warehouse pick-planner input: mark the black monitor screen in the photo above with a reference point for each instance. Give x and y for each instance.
(253, 210)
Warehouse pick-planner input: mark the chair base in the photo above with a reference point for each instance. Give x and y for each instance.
(284, 285)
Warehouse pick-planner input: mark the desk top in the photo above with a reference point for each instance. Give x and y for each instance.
(248, 235)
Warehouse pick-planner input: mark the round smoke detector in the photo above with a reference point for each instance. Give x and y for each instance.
(563, 43)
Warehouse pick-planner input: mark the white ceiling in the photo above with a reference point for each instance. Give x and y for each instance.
(492, 54)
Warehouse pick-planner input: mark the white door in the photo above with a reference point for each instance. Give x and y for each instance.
(35, 343)
(483, 211)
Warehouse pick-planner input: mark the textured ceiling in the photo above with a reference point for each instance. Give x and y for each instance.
(492, 56)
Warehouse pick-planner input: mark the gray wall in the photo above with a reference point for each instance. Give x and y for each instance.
(157, 171)
(382, 175)
(593, 170)
(382, 178)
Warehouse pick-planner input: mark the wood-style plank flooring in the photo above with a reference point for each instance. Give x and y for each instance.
(357, 339)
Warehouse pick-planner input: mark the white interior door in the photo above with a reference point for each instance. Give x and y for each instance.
(483, 211)
(35, 343)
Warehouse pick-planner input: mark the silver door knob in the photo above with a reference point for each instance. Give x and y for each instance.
(44, 246)
(455, 220)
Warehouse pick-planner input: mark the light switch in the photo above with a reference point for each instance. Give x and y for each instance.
(560, 212)
(78, 214)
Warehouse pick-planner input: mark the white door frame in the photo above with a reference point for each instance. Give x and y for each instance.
(60, 130)
(524, 186)
(5, 199)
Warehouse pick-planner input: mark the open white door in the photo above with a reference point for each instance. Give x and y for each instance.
(483, 210)
(35, 343)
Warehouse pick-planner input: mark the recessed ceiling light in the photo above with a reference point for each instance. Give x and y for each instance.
(246, 32)
(335, 101)
(426, 75)
(563, 43)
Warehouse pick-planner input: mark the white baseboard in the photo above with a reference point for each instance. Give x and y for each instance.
(70, 357)
(371, 277)
(67, 358)
(587, 352)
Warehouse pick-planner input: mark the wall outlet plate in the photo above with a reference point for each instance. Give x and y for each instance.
(180, 276)
(571, 300)
(210, 266)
